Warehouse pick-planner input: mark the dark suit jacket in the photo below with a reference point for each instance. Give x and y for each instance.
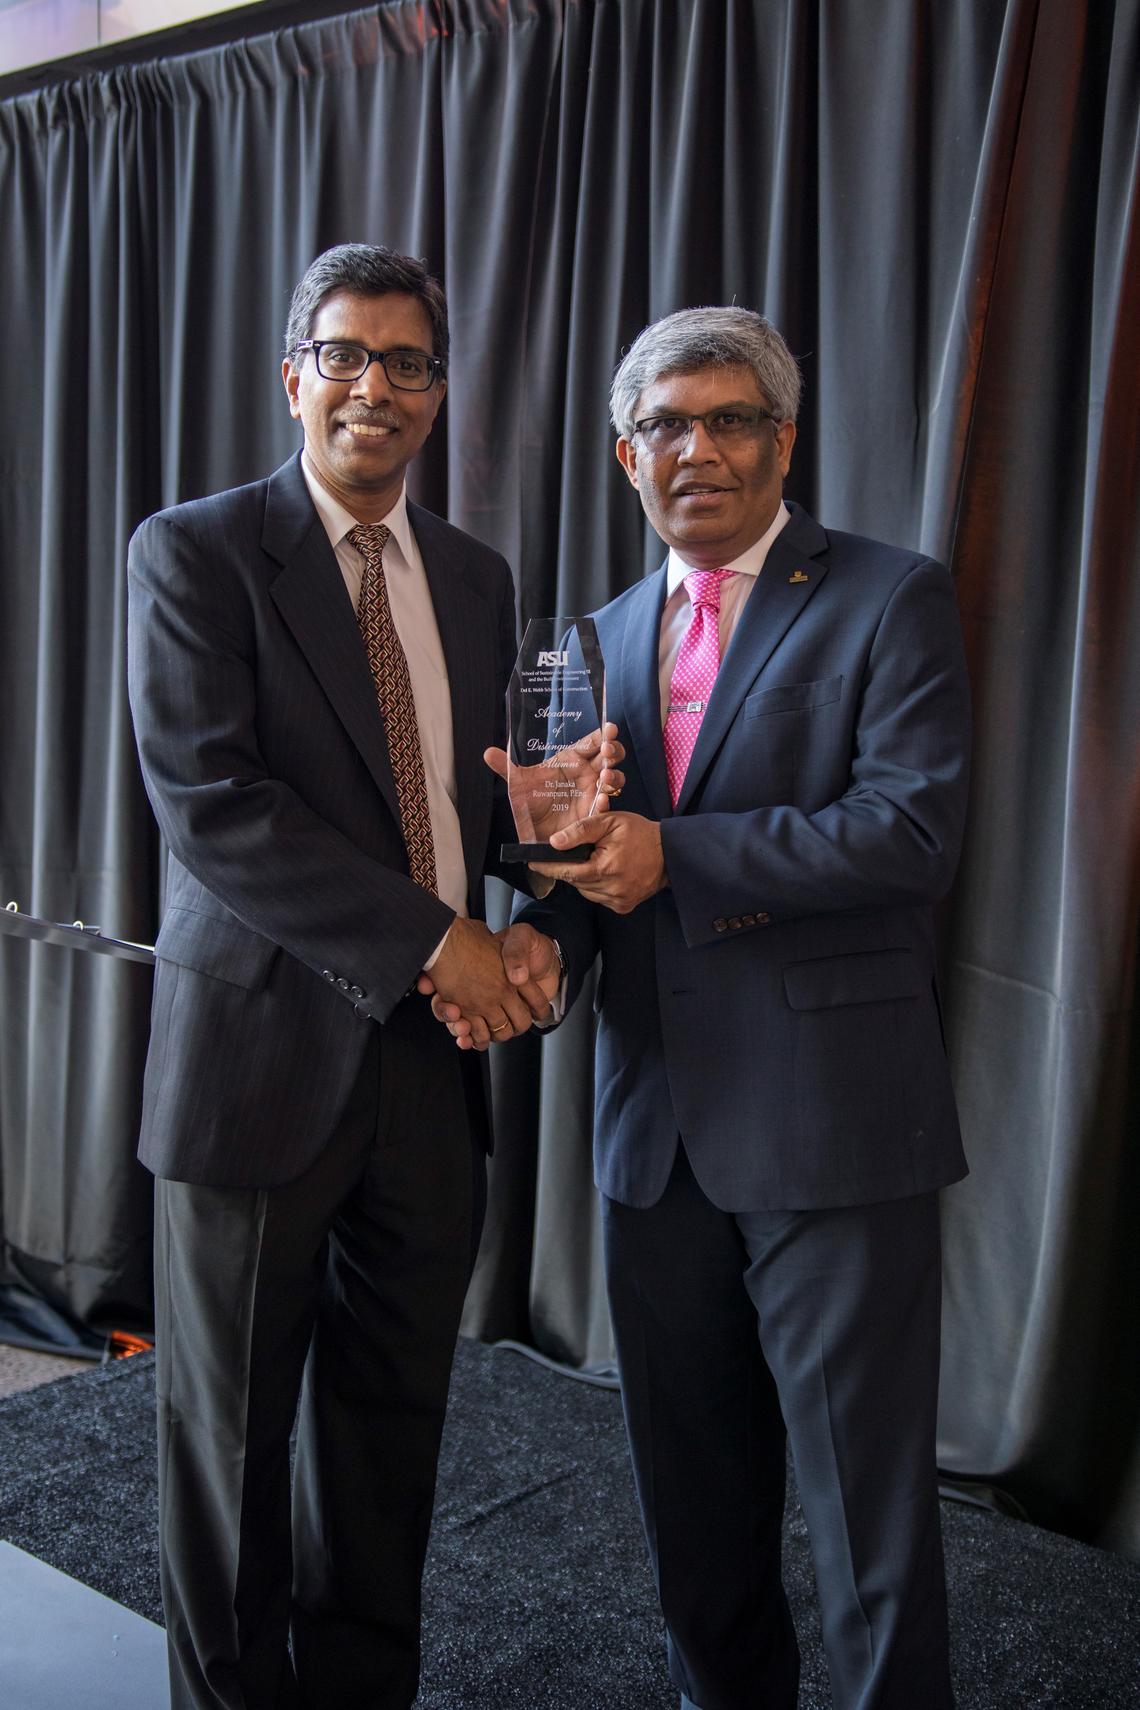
(291, 926)
(776, 1005)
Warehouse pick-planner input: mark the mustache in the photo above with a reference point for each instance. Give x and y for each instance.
(371, 418)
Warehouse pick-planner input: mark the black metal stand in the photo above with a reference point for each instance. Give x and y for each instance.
(77, 936)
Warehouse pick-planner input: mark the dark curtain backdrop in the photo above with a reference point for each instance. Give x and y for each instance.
(937, 201)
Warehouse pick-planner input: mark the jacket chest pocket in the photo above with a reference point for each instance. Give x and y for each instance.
(765, 764)
(793, 697)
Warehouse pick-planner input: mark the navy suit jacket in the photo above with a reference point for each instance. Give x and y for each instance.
(291, 925)
(776, 1006)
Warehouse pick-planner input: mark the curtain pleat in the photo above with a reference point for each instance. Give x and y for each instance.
(938, 205)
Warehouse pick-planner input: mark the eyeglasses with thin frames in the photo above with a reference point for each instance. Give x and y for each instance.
(735, 422)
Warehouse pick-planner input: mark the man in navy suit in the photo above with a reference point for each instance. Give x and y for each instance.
(316, 666)
(774, 1114)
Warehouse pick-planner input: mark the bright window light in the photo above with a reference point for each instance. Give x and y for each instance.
(34, 32)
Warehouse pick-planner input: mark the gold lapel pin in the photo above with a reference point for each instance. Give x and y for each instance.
(799, 576)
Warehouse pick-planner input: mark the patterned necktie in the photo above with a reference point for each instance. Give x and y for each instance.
(694, 674)
(394, 692)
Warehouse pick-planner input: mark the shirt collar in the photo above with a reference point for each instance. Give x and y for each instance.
(749, 563)
(338, 521)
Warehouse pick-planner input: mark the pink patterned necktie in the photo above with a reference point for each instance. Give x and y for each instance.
(389, 667)
(694, 674)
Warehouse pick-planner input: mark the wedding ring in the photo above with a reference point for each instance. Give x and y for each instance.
(500, 1027)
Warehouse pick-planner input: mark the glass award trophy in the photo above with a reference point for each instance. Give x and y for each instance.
(556, 696)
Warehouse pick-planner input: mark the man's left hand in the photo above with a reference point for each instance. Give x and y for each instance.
(627, 864)
(580, 779)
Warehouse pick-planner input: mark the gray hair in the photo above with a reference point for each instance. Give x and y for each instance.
(692, 339)
(369, 270)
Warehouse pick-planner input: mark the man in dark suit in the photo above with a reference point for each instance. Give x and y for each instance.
(316, 666)
(774, 1113)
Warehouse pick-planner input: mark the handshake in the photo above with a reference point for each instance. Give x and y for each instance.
(488, 987)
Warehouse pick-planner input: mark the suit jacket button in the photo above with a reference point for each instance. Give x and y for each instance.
(342, 985)
(749, 919)
(359, 1009)
(763, 920)
(720, 925)
(736, 923)
(356, 991)
(327, 974)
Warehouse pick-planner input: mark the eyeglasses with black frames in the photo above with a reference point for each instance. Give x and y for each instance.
(731, 423)
(407, 370)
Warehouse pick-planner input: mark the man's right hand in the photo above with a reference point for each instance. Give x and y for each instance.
(530, 964)
(468, 974)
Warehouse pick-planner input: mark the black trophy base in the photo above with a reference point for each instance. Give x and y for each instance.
(544, 852)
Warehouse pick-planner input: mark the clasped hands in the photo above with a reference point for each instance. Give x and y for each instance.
(491, 986)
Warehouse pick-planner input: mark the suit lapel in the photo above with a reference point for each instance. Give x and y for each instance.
(310, 594)
(638, 704)
(462, 619)
(792, 572)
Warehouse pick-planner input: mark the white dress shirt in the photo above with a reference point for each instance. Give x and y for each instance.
(414, 617)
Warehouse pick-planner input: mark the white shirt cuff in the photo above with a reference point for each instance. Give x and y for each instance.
(436, 951)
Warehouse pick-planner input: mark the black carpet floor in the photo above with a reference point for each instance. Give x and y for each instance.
(537, 1593)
